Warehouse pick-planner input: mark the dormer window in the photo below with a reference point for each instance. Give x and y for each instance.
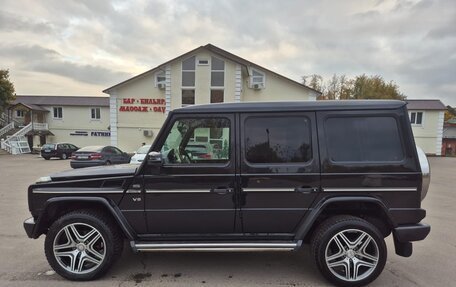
(257, 80)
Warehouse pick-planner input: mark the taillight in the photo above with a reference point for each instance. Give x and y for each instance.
(95, 156)
(206, 155)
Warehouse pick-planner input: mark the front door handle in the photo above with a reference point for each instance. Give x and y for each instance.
(306, 189)
(221, 190)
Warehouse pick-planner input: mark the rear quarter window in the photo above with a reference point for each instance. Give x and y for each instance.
(363, 139)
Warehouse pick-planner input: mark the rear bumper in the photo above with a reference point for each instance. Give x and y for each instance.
(415, 232)
(29, 226)
(404, 235)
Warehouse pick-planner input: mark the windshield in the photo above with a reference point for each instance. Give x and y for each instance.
(143, 150)
(91, 148)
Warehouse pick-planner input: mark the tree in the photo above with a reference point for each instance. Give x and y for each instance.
(450, 113)
(361, 87)
(7, 94)
(374, 87)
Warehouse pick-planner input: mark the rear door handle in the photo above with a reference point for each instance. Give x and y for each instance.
(221, 190)
(306, 189)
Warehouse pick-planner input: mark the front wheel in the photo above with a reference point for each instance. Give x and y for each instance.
(349, 251)
(82, 245)
(63, 156)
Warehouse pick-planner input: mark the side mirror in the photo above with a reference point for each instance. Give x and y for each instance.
(154, 158)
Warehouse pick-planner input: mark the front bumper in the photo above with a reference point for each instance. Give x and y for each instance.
(29, 226)
(404, 235)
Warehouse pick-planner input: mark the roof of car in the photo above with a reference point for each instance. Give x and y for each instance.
(293, 106)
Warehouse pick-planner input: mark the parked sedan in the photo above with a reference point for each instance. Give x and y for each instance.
(60, 150)
(98, 155)
(140, 154)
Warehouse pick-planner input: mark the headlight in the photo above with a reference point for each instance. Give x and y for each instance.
(44, 179)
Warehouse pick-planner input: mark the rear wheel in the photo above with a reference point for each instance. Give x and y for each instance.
(349, 251)
(82, 245)
(64, 156)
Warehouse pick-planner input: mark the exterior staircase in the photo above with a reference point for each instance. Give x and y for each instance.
(16, 143)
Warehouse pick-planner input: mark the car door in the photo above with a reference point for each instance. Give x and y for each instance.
(279, 167)
(193, 196)
(119, 155)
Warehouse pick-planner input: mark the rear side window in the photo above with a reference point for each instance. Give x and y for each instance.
(277, 139)
(363, 139)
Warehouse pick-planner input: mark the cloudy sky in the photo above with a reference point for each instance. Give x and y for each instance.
(81, 47)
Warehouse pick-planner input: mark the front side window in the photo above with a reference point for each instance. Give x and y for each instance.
(187, 141)
(58, 112)
(95, 113)
(277, 139)
(363, 139)
(416, 118)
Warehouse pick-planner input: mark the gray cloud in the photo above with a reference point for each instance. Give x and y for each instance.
(100, 42)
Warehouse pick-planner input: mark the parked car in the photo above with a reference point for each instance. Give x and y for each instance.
(98, 155)
(199, 150)
(60, 150)
(140, 154)
(338, 175)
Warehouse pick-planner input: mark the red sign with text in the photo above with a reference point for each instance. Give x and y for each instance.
(142, 105)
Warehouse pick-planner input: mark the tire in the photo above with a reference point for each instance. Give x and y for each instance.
(369, 255)
(46, 158)
(94, 255)
(108, 162)
(63, 156)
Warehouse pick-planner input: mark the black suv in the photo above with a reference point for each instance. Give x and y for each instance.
(340, 176)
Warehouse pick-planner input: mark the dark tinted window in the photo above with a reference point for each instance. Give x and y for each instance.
(277, 139)
(363, 139)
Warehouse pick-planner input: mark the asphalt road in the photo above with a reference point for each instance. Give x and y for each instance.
(22, 260)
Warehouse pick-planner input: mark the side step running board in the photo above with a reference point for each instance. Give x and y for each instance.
(215, 246)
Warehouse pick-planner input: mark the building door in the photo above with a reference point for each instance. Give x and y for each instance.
(192, 195)
(280, 167)
(42, 140)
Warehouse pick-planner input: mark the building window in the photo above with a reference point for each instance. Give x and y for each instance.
(257, 79)
(160, 78)
(95, 113)
(188, 97)
(216, 96)
(203, 62)
(416, 118)
(58, 112)
(188, 72)
(19, 113)
(217, 72)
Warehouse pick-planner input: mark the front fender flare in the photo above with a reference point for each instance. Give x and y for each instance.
(110, 206)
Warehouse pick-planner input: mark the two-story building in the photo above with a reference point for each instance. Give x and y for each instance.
(78, 120)
(426, 118)
(208, 74)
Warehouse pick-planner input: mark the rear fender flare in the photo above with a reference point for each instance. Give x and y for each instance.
(310, 219)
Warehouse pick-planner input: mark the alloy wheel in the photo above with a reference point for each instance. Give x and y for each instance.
(79, 248)
(352, 255)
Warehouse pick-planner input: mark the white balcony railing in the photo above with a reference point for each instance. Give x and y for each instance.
(40, 126)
